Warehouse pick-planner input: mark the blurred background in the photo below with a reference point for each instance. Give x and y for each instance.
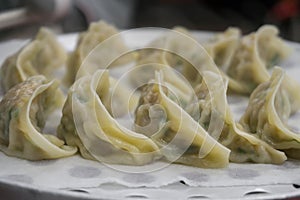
(22, 18)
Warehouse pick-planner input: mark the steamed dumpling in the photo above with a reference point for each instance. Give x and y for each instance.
(176, 49)
(245, 60)
(244, 146)
(267, 113)
(181, 138)
(223, 47)
(43, 55)
(179, 50)
(102, 53)
(87, 124)
(23, 111)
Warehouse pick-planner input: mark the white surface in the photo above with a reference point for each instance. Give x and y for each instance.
(77, 173)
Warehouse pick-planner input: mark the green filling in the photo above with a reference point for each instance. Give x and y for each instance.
(205, 125)
(241, 151)
(275, 59)
(14, 112)
(193, 149)
(179, 62)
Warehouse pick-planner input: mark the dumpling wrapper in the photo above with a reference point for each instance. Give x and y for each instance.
(244, 146)
(245, 60)
(223, 47)
(43, 55)
(23, 111)
(181, 139)
(177, 49)
(87, 124)
(92, 53)
(267, 113)
(255, 53)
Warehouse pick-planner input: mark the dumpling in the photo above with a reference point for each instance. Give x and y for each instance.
(43, 55)
(120, 100)
(102, 54)
(270, 47)
(244, 146)
(223, 47)
(180, 138)
(149, 59)
(87, 124)
(267, 113)
(177, 49)
(243, 60)
(206, 109)
(248, 57)
(291, 86)
(23, 111)
(173, 79)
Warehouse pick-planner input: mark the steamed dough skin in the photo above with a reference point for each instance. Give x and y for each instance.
(88, 41)
(244, 60)
(267, 113)
(158, 117)
(23, 111)
(244, 146)
(41, 56)
(88, 124)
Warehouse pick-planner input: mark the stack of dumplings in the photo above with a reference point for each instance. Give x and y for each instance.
(179, 108)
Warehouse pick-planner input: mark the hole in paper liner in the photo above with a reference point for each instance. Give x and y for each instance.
(198, 197)
(79, 190)
(297, 186)
(136, 196)
(257, 191)
(182, 182)
(195, 176)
